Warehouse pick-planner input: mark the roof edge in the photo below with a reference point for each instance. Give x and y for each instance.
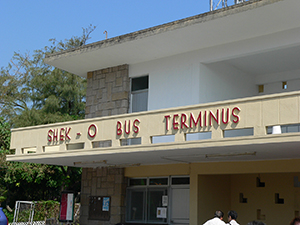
(200, 18)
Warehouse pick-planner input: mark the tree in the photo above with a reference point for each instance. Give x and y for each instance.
(4, 149)
(35, 93)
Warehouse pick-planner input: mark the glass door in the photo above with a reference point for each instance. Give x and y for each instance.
(157, 212)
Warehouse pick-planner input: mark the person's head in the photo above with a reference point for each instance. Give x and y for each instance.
(219, 214)
(232, 215)
(256, 223)
(295, 221)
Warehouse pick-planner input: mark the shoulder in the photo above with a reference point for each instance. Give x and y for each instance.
(234, 222)
(221, 222)
(207, 222)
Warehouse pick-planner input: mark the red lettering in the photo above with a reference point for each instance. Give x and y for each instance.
(167, 121)
(127, 131)
(183, 121)
(212, 115)
(192, 120)
(227, 118)
(234, 115)
(50, 132)
(61, 136)
(137, 129)
(205, 120)
(119, 128)
(92, 130)
(175, 123)
(55, 135)
(67, 133)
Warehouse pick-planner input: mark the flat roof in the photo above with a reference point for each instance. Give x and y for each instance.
(237, 22)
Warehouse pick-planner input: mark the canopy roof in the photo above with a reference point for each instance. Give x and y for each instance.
(240, 22)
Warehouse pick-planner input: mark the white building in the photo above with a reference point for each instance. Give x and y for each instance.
(185, 118)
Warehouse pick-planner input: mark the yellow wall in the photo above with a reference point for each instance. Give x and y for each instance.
(222, 192)
(217, 186)
(214, 194)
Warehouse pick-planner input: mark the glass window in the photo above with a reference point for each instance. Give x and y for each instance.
(136, 182)
(139, 83)
(139, 101)
(136, 206)
(154, 201)
(180, 180)
(158, 181)
(139, 94)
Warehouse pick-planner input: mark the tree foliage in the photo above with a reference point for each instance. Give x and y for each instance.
(4, 149)
(35, 93)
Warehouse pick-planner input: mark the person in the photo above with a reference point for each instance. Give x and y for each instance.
(295, 221)
(232, 215)
(256, 223)
(217, 220)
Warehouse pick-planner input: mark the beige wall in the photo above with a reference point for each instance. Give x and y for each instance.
(256, 112)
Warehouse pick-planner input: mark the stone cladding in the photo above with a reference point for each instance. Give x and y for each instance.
(107, 94)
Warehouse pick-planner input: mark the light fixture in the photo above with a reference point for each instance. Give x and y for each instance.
(230, 154)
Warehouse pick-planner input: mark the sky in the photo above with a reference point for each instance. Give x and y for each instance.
(28, 25)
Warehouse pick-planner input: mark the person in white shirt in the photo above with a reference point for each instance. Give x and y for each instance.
(232, 215)
(217, 220)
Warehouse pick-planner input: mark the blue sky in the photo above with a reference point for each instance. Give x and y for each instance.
(28, 25)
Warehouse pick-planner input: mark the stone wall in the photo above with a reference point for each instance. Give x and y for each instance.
(107, 94)
(103, 182)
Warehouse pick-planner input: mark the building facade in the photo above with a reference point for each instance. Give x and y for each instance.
(183, 119)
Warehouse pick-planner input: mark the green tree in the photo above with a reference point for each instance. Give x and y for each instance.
(4, 149)
(35, 93)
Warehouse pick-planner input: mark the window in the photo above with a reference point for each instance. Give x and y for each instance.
(260, 88)
(148, 197)
(142, 204)
(139, 94)
(284, 85)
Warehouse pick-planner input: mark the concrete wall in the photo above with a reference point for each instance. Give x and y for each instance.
(107, 94)
(173, 80)
(273, 82)
(183, 80)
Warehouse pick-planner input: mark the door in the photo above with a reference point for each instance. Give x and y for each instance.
(180, 206)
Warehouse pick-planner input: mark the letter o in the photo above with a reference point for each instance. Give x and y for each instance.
(92, 130)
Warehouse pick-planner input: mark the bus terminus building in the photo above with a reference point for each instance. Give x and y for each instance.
(185, 118)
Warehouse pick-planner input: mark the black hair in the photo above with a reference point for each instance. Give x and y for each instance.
(296, 219)
(232, 214)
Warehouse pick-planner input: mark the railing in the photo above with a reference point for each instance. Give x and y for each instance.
(214, 5)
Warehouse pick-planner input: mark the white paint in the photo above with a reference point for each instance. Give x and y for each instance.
(182, 80)
(223, 72)
(173, 81)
